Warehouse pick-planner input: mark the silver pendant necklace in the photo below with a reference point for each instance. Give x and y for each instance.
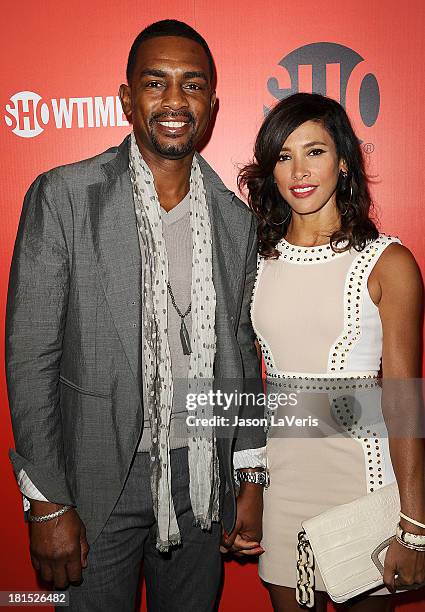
(184, 334)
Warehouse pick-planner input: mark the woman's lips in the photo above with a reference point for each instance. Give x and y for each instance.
(303, 191)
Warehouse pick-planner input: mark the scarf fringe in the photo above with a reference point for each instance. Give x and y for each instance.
(164, 547)
(205, 523)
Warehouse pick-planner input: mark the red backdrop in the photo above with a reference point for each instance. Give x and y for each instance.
(71, 58)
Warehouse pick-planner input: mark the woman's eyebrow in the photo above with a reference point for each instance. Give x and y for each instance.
(308, 144)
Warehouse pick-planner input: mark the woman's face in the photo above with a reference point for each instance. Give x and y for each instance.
(306, 173)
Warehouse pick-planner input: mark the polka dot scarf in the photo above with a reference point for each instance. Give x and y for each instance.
(157, 376)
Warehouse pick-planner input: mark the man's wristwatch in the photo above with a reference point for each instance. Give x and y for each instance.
(261, 478)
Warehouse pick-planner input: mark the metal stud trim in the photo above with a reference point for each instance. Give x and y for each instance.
(355, 285)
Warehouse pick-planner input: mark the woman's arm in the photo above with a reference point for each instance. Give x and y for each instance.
(396, 287)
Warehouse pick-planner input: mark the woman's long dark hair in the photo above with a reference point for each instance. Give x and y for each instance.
(353, 198)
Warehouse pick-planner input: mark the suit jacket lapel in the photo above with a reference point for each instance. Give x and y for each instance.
(230, 230)
(117, 252)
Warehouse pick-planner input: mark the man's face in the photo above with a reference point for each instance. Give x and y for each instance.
(169, 100)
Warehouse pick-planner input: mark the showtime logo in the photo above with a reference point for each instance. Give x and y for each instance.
(332, 70)
(28, 114)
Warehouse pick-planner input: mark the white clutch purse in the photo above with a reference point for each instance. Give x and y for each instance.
(348, 544)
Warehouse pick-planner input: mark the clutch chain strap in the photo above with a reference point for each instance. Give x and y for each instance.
(304, 591)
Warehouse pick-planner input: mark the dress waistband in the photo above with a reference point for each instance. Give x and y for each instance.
(322, 375)
(304, 381)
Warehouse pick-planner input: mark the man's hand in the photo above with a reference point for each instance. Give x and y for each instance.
(58, 547)
(246, 536)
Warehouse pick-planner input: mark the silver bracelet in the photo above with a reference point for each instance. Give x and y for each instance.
(410, 538)
(410, 546)
(48, 517)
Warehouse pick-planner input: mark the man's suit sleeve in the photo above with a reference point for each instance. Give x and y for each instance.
(251, 437)
(245, 332)
(35, 321)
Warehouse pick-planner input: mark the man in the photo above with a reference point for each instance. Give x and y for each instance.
(132, 272)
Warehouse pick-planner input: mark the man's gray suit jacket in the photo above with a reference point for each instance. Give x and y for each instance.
(73, 331)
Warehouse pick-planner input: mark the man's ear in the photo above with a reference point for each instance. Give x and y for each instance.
(212, 103)
(125, 97)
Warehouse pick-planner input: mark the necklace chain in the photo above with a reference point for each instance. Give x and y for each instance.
(173, 301)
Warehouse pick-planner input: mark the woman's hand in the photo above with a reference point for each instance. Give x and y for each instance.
(408, 565)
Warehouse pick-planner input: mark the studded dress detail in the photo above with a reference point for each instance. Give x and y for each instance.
(321, 339)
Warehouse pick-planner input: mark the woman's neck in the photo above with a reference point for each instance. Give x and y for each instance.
(314, 229)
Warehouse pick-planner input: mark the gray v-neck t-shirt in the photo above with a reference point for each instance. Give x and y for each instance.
(178, 240)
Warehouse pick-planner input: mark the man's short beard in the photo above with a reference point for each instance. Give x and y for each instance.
(172, 151)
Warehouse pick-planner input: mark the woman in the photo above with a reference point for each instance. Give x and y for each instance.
(333, 298)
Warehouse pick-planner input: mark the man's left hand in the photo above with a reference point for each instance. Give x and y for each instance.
(246, 536)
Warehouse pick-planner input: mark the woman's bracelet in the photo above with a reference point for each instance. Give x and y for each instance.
(410, 546)
(48, 517)
(406, 537)
(410, 520)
